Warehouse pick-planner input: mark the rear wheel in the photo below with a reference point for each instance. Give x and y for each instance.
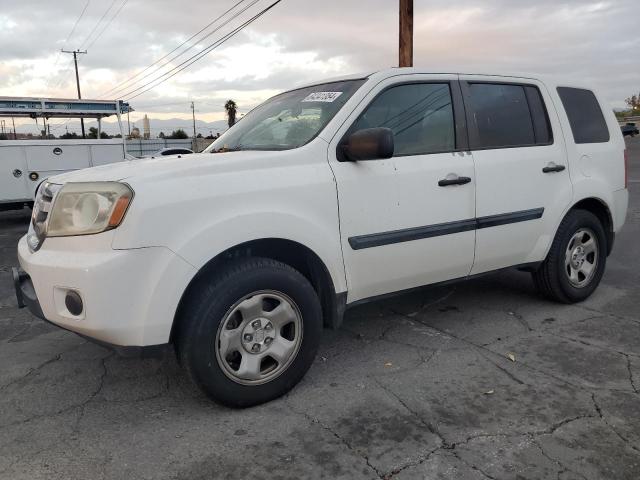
(249, 333)
(576, 261)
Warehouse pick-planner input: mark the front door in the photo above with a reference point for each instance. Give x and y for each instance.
(408, 220)
(522, 183)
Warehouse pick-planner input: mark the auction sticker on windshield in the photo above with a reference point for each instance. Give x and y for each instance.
(322, 97)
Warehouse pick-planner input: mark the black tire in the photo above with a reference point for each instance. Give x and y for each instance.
(552, 279)
(208, 304)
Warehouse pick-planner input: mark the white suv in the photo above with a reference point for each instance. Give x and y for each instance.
(321, 198)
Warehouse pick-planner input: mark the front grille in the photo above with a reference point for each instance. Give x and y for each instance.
(41, 210)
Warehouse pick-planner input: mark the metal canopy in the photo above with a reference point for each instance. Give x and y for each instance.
(61, 108)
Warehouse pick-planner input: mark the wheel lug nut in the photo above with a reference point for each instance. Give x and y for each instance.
(268, 326)
(268, 340)
(248, 337)
(256, 324)
(255, 348)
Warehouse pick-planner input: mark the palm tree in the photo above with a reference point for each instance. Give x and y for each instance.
(231, 109)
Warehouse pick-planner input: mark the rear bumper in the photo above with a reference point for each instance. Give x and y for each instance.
(619, 208)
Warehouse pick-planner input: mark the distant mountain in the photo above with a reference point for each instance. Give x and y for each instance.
(156, 126)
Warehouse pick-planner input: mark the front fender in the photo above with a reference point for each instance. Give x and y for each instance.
(202, 246)
(209, 204)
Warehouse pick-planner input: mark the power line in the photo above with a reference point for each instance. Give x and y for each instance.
(73, 29)
(193, 59)
(233, 17)
(66, 71)
(95, 27)
(107, 24)
(177, 48)
(76, 24)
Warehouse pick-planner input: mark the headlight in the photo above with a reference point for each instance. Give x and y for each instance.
(87, 208)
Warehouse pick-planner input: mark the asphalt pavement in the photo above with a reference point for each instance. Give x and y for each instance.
(479, 380)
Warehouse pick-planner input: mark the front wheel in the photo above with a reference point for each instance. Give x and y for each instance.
(249, 334)
(576, 261)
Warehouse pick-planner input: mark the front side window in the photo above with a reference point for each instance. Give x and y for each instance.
(420, 115)
(288, 120)
(585, 116)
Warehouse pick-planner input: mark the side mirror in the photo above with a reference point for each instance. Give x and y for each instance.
(367, 144)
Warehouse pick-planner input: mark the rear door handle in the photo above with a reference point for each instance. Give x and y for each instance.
(552, 167)
(453, 179)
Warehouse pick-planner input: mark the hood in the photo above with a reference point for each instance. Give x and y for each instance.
(173, 166)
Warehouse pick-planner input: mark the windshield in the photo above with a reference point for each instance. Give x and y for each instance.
(288, 120)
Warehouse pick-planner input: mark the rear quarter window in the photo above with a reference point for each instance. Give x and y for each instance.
(588, 124)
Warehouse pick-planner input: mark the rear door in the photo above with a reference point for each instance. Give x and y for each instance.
(523, 184)
(399, 227)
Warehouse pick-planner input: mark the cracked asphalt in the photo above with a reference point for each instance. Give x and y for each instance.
(418, 386)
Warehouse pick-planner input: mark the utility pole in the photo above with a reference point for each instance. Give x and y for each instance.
(406, 33)
(195, 140)
(75, 61)
(193, 114)
(15, 136)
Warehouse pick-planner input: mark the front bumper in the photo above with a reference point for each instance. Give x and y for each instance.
(129, 297)
(26, 296)
(25, 293)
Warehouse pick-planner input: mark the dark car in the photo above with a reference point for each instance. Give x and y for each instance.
(629, 129)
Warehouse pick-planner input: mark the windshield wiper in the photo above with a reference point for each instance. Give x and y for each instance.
(227, 149)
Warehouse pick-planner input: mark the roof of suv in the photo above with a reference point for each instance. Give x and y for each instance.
(389, 72)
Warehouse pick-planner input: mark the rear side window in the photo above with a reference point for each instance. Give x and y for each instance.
(508, 115)
(419, 114)
(541, 126)
(585, 116)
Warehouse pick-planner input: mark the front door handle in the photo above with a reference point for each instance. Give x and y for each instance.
(453, 179)
(552, 167)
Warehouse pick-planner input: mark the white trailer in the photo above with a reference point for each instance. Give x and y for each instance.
(25, 164)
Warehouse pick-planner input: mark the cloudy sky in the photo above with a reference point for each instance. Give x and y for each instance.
(299, 41)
